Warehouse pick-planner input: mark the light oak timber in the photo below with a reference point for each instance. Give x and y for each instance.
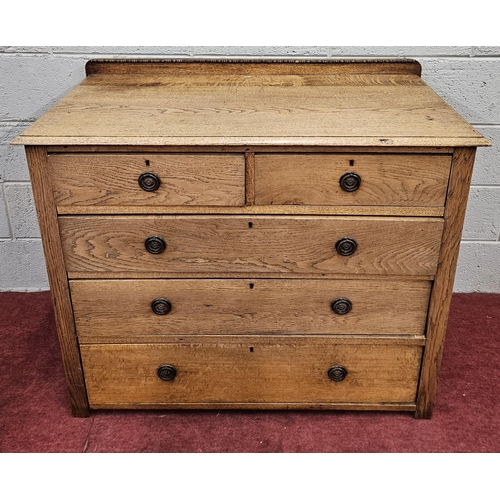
(216, 142)
(269, 80)
(47, 219)
(256, 306)
(269, 339)
(231, 339)
(360, 110)
(253, 209)
(232, 66)
(285, 244)
(250, 264)
(255, 373)
(456, 204)
(292, 179)
(54, 149)
(258, 406)
(185, 179)
(243, 275)
(249, 178)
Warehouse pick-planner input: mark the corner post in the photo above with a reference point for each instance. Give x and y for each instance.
(58, 280)
(442, 289)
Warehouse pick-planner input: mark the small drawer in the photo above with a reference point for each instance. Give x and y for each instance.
(279, 371)
(258, 244)
(120, 310)
(148, 179)
(351, 179)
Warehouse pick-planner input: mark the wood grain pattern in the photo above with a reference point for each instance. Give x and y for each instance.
(47, 219)
(186, 179)
(249, 178)
(258, 406)
(253, 209)
(245, 275)
(279, 80)
(386, 245)
(313, 179)
(200, 110)
(257, 142)
(127, 148)
(232, 66)
(120, 308)
(224, 338)
(456, 204)
(250, 153)
(250, 373)
(297, 340)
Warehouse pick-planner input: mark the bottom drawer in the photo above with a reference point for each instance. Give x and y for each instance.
(274, 371)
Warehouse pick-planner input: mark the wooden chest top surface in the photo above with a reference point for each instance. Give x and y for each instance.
(211, 103)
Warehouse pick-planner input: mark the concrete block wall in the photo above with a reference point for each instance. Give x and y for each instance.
(33, 79)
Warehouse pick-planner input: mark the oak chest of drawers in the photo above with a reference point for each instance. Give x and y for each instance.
(251, 234)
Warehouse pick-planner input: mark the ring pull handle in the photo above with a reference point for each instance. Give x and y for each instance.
(337, 373)
(155, 244)
(346, 246)
(350, 182)
(341, 306)
(166, 372)
(161, 306)
(149, 181)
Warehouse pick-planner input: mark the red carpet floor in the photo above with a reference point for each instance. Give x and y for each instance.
(35, 414)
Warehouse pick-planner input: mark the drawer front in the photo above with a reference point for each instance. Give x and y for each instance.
(125, 309)
(357, 179)
(190, 244)
(250, 372)
(179, 179)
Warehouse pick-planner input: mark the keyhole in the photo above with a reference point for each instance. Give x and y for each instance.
(251, 286)
(351, 163)
(250, 225)
(251, 349)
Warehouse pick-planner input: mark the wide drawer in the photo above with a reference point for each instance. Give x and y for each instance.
(249, 372)
(259, 244)
(351, 179)
(148, 179)
(125, 309)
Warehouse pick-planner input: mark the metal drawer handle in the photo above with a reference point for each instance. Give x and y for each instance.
(161, 306)
(155, 244)
(149, 181)
(350, 182)
(341, 306)
(346, 246)
(166, 372)
(337, 373)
